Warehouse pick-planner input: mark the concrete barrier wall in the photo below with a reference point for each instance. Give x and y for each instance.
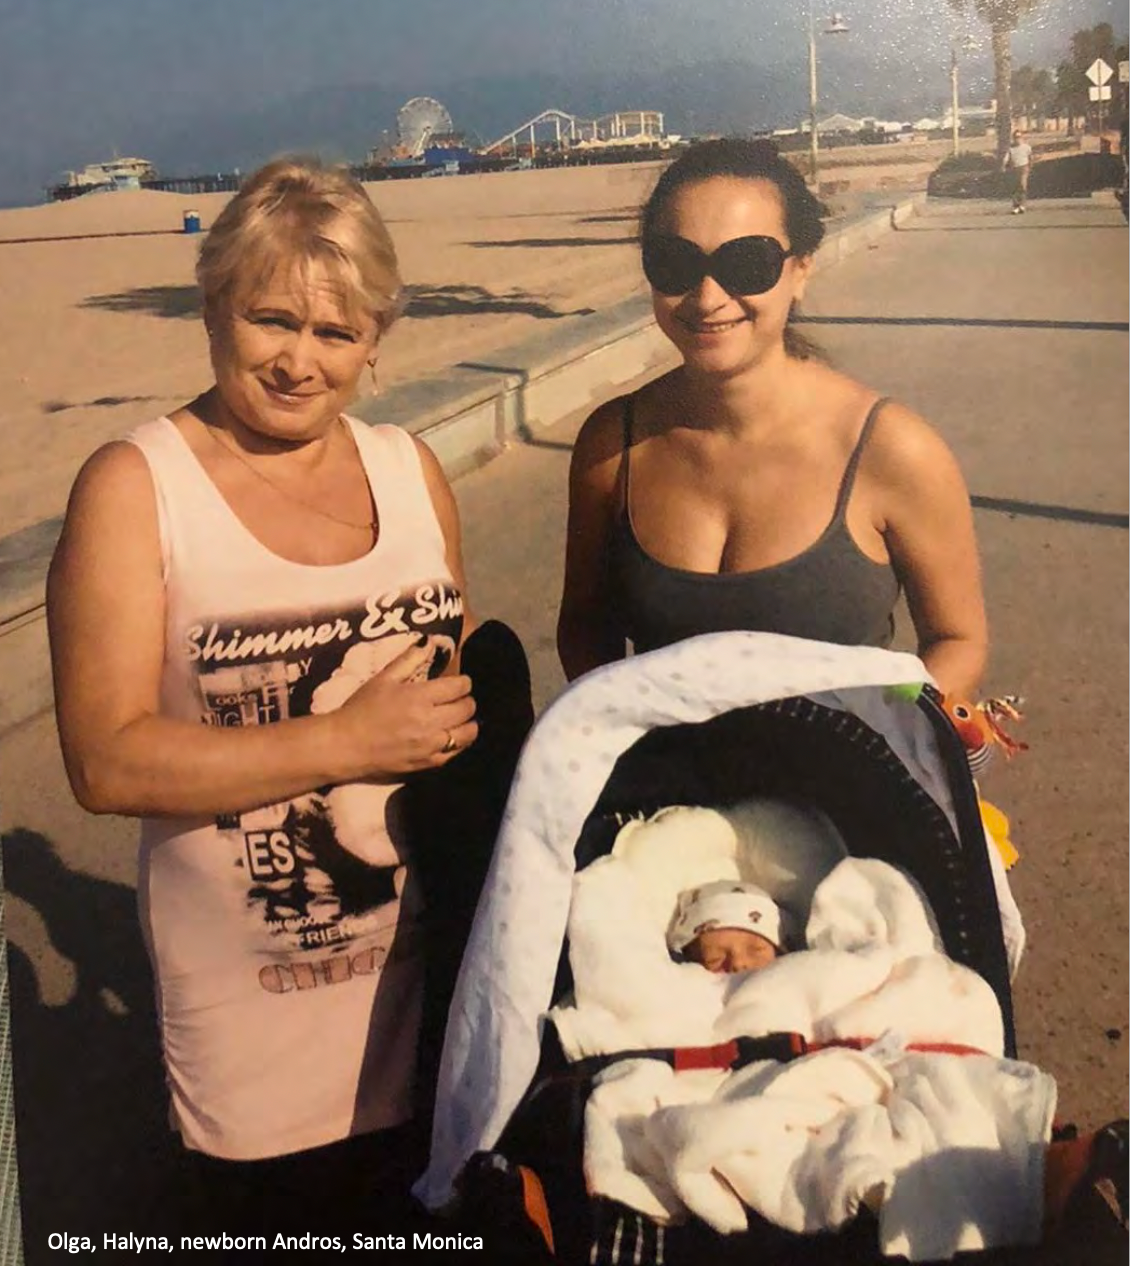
(467, 415)
(470, 412)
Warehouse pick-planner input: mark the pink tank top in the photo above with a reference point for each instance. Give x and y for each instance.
(285, 941)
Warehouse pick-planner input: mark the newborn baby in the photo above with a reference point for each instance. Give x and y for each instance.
(726, 926)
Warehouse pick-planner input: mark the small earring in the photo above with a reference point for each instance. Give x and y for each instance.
(373, 376)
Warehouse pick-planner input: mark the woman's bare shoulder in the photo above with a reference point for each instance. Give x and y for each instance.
(601, 437)
(605, 430)
(903, 436)
(114, 470)
(906, 455)
(112, 508)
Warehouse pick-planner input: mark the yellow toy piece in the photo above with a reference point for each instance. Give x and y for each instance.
(996, 824)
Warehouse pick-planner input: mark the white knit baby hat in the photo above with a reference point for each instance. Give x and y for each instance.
(725, 903)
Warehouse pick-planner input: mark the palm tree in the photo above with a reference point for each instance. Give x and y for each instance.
(1002, 18)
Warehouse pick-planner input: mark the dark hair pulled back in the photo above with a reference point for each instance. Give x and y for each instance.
(746, 160)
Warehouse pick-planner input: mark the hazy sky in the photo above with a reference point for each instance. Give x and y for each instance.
(79, 77)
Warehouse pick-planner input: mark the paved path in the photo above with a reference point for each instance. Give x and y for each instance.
(1010, 333)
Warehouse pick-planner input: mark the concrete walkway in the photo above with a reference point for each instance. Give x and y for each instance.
(1010, 334)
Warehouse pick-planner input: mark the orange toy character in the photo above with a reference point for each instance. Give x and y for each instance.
(979, 726)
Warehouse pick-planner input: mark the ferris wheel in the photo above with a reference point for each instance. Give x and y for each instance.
(419, 119)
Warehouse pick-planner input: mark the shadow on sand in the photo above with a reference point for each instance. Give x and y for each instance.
(95, 1149)
(539, 242)
(183, 303)
(438, 301)
(102, 402)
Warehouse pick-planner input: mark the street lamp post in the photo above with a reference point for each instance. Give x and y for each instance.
(968, 45)
(813, 140)
(954, 100)
(836, 26)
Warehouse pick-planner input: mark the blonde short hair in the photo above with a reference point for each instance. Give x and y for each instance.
(301, 212)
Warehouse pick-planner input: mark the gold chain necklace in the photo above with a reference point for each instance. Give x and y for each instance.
(370, 526)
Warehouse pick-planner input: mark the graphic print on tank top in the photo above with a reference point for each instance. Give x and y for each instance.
(328, 867)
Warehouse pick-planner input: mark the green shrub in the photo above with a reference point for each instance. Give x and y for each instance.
(1068, 176)
(966, 162)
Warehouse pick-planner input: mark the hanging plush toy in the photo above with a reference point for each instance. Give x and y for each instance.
(980, 726)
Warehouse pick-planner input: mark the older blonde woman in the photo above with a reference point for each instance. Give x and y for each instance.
(255, 611)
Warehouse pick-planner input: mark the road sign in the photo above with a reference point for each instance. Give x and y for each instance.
(1098, 72)
(1099, 94)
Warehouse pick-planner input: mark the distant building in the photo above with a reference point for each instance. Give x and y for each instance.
(105, 177)
(846, 125)
(837, 124)
(984, 115)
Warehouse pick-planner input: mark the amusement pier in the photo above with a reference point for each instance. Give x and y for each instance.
(427, 144)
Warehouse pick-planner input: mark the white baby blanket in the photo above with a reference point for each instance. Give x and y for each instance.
(947, 1148)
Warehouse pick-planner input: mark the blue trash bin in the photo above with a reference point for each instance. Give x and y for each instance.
(192, 221)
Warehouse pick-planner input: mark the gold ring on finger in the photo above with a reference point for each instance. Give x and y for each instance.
(450, 745)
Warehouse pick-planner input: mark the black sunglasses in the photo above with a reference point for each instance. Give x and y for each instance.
(741, 266)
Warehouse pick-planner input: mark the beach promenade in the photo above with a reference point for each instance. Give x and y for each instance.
(1010, 334)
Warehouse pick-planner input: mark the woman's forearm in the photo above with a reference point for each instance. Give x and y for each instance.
(155, 766)
(396, 722)
(957, 665)
(583, 645)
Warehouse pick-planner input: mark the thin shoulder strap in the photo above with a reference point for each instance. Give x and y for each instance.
(848, 481)
(627, 417)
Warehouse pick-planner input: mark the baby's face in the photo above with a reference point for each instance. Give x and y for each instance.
(731, 950)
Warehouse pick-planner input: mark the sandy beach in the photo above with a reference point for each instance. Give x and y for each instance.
(100, 324)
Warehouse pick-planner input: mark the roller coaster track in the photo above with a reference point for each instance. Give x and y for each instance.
(608, 127)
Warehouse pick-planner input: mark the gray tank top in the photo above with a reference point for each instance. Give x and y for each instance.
(831, 592)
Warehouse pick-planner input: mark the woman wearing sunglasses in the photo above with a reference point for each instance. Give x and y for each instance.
(756, 487)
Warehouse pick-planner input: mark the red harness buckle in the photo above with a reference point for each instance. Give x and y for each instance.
(692, 1057)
